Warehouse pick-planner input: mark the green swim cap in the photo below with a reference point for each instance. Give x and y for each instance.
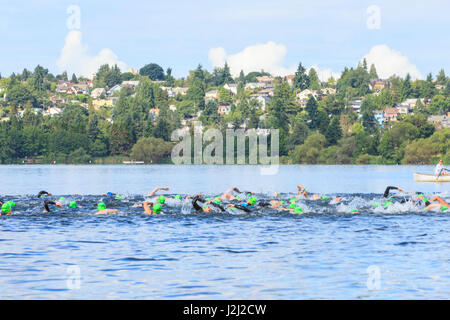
(249, 194)
(11, 203)
(387, 203)
(217, 201)
(324, 197)
(73, 204)
(424, 199)
(376, 204)
(161, 199)
(298, 210)
(238, 197)
(292, 200)
(208, 199)
(118, 197)
(443, 208)
(252, 200)
(292, 206)
(6, 207)
(101, 206)
(61, 198)
(355, 211)
(204, 207)
(178, 197)
(157, 208)
(282, 202)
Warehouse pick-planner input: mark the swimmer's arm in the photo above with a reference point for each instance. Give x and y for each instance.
(389, 188)
(151, 194)
(196, 205)
(147, 209)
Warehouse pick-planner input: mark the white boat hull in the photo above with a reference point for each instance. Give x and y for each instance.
(423, 177)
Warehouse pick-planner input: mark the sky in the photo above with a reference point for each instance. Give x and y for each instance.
(399, 36)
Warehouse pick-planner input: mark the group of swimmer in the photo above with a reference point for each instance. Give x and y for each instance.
(235, 199)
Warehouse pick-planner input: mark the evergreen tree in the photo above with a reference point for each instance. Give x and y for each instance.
(373, 72)
(334, 132)
(301, 80)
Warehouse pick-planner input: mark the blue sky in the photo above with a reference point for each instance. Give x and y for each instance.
(180, 34)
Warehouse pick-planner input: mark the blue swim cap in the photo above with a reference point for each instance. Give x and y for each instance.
(109, 194)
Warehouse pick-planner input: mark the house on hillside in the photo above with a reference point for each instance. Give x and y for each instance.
(223, 108)
(97, 92)
(440, 122)
(391, 114)
(231, 87)
(211, 95)
(378, 84)
(254, 85)
(304, 95)
(263, 99)
(290, 80)
(356, 105)
(379, 117)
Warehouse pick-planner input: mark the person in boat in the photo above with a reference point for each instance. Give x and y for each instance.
(101, 209)
(152, 209)
(440, 169)
(43, 194)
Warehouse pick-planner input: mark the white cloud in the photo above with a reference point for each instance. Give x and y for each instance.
(389, 62)
(268, 57)
(326, 74)
(75, 57)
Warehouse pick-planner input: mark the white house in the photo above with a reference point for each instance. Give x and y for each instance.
(97, 92)
(231, 87)
(304, 95)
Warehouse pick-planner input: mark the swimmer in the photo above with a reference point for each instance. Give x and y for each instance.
(48, 202)
(301, 191)
(152, 209)
(441, 204)
(43, 194)
(101, 209)
(7, 207)
(207, 204)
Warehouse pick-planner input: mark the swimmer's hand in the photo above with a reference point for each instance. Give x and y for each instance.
(400, 190)
(59, 205)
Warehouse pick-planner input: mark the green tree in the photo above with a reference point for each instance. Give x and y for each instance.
(301, 80)
(153, 71)
(151, 150)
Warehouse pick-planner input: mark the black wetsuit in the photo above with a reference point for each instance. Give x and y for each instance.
(47, 203)
(386, 194)
(198, 208)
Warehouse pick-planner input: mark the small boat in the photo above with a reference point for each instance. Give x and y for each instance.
(133, 162)
(423, 177)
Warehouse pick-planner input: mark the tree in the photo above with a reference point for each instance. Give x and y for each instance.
(313, 114)
(151, 150)
(74, 78)
(301, 80)
(373, 72)
(334, 132)
(314, 82)
(441, 78)
(153, 71)
(406, 90)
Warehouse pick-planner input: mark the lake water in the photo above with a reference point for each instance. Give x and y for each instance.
(400, 252)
